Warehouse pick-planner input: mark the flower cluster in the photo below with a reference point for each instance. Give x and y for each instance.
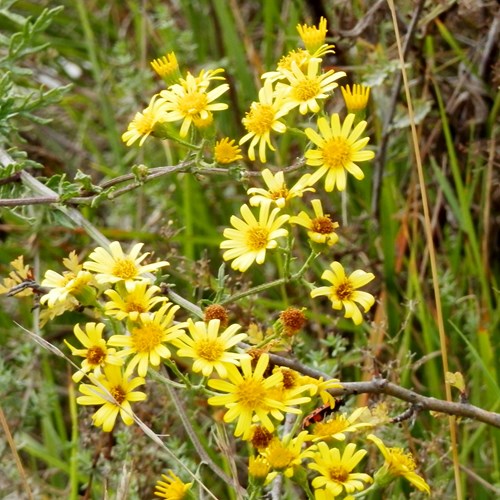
(135, 328)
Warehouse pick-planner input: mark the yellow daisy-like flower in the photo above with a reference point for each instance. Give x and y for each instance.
(305, 88)
(259, 470)
(64, 287)
(250, 239)
(343, 291)
(144, 122)
(336, 470)
(263, 118)
(336, 426)
(321, 229)
(171, 488)
(397, 464)
(147, 339)
(113, 266)
(167, 68)
(96, 353)
(338, 150)
(357, 98)
(18, 275)
(277, 190)
(226, 151)
(114, 392)
(248, 398)
(312, 36)
(133, 303)
(284, 455)
(209, 349)
(189, 101)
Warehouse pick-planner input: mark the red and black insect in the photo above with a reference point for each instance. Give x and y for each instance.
(321, 413)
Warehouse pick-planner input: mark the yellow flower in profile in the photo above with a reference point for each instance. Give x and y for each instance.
(397, 464)
(339, 149)
(144, 122)
(357, 98)
(312, 36)
(321, 229)
(112, 265)
(147, 339)
(277, 190)
(336, 470)
(336, 426)
(189, 100)
(305, 88)
(114, 392)
(321, 387)
(133, 303)
(96, 353)
(208, 348)
(167, 68)
(259, 470)
(171, 488)
(248, 398)
(18, 275)
(284, 455)
(343, 291)
(226, 151)
(250, 239)
(264, 117)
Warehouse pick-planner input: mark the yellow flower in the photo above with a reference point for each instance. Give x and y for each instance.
(343, 291)
(262, 118)
(65, 286)
(167, 68)
(258, 469)
(338, 150)
(189, 100)
(248, 398)
(113, 266)
(321, 229)
(134, 303)
(397, 463)
(144, 122)
(284, 455)
(336, 426)
(20, 274)
(312, 36)
(114, 392)
(209, 349)
(321, 387)
(225, 151)
(171, 488)
(277, 190)
(250, 239)
(96, 352)
(357, 99)
(147, 339)
(304, 89)
(335, 469)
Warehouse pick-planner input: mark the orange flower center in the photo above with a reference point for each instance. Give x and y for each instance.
(95, 355)
(118, 393)
(339, 474)
(344, 290)
(280, 193)
(322, 225)
(337, 153)
(257, 238)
